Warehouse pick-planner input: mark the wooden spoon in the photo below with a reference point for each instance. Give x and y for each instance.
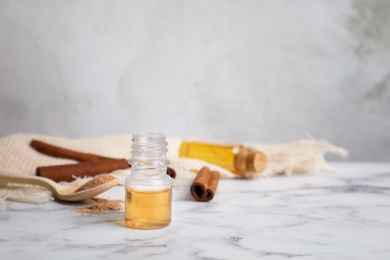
(59, 191)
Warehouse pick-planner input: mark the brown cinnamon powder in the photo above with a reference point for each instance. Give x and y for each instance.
(101, 205)
(98, 180)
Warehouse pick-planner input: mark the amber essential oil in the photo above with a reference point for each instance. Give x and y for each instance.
(243, 161)
(221, 155)
(148, 209)
(148, 189)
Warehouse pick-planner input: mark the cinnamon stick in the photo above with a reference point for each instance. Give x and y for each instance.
(205, 185)
(171, 172)
(60, 152)
(90, 164)
(67, 172)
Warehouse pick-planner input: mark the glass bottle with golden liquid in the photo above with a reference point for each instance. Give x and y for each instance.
(243, 161)
(148, 187)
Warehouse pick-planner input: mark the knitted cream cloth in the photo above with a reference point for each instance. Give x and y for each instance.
(16, 156)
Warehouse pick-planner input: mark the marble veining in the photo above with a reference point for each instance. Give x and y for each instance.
(326, 216)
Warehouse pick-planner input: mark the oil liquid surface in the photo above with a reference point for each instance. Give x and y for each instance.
(148, 209)
(221, 155)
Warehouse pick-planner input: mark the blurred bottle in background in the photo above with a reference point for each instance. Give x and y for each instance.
(243, 161)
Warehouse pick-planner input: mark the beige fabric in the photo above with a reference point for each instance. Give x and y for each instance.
(305, 156)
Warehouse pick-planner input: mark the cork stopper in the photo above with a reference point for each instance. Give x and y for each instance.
(249, 162)
(255, 161)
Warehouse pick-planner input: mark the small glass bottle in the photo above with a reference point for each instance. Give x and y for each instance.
(243, 161)
(148, 187)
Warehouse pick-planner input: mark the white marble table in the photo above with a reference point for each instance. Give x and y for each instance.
(327, 216)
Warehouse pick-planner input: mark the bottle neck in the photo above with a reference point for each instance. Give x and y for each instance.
(148, 154)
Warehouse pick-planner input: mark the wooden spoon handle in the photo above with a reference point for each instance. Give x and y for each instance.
(11, 177)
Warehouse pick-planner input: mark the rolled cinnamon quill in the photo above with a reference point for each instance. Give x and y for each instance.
(205, 185)
(60, 152)
(67, 172)
(91, 164)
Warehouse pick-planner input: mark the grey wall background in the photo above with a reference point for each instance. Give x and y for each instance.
(243, 71)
